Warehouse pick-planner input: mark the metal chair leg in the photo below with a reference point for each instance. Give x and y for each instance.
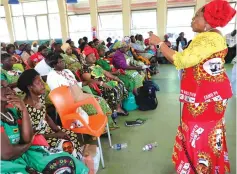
(56, 116)
(101, 153)
(82, 138)
(108, 132)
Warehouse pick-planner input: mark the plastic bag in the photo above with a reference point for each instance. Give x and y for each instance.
(92, 161)
(129, 104)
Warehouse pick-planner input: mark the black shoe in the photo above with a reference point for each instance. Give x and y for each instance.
(122, 113)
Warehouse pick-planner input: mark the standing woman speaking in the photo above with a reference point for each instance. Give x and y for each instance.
(200, 144)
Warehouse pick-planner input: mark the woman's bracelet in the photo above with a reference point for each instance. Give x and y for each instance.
(101, 83)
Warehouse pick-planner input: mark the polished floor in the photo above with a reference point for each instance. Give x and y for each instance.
(160, 127)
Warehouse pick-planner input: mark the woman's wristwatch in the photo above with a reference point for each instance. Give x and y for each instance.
(159, 45)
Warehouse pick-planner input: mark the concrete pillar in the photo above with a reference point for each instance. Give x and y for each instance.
(63, 19)
(199, 4)
(161, 17)
(126, 12)
(9, 22)
(94, 17)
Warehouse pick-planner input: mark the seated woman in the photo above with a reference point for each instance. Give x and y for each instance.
(17, 59)
(140, 48)
(26, 53)
(113, 90)
(59, 76)
(31, 83)
(76, 51)
(18, 155)
(71, 61)
(11, 50)
(38, 56)
(8, 73)
(105, 64)
(102, 61)
(119, 62)
(135, 55)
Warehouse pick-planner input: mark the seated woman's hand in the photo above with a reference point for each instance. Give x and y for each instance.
(106, 86)
(16, 101)
(62, 135)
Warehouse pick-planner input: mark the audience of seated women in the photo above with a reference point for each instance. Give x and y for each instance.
(113, 89)
(31, 83)
(59, 76)
(18, 154)
(119, 62)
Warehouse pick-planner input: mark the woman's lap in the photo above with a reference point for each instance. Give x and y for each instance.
(43, 160)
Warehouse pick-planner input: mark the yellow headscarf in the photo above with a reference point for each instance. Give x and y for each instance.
(65, 46)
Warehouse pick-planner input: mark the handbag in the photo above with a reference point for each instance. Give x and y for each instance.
(129, 104)
(39, 140)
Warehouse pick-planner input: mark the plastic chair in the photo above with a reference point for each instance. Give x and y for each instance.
(66, 107)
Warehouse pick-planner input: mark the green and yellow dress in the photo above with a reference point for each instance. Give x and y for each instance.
(11, 77)
(71, 62)
(37, 158)
(113, 96)
(129, 83)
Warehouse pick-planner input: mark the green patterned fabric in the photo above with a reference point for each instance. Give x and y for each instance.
(36, 158)
(138, 78)
(104, 64)
(71, 62)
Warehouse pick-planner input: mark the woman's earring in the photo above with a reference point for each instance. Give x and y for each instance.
(205, 29)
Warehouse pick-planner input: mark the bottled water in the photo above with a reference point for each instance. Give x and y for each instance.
(120, 146)
(150, 146)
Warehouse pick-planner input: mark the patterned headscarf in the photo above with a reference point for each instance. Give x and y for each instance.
(101, 47)
(121, 44)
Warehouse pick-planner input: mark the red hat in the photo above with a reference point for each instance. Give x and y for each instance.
(88, 50)
(218, 13)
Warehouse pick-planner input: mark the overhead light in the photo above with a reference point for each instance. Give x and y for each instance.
(13, 2)
(72, 1)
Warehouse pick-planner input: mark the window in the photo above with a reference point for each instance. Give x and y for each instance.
(52, 6)
(4, 35)
(54, 26)
(34, 8)
(19, 28)
(37, 20)
(2, 11)
(231, 25)
(143, 22)
(110, 25)
(82, 7)
(143, 4)
(17, 10)
(109, 5)
(79, 29)
(43, 27)
(176, 24)
(31, 28)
